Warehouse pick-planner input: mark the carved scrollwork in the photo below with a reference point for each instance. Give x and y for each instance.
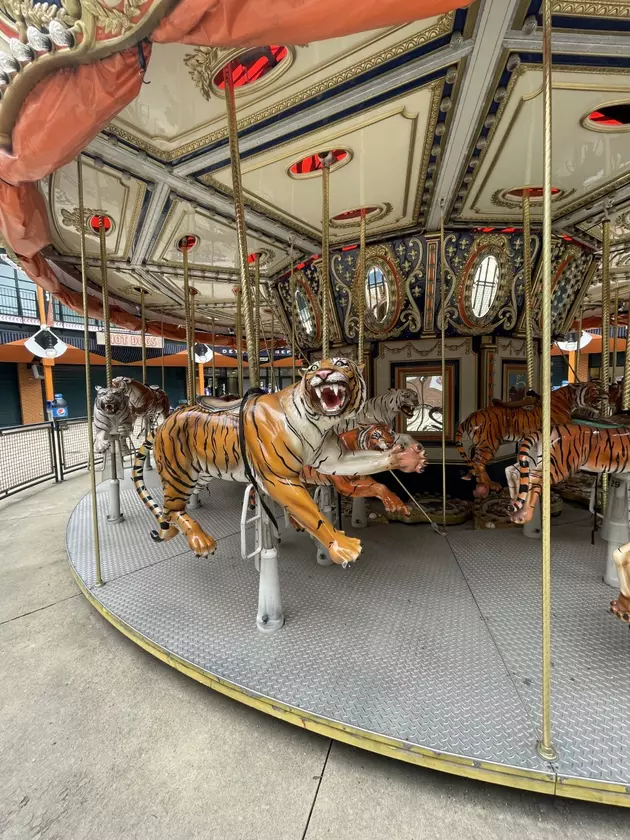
(305, 310)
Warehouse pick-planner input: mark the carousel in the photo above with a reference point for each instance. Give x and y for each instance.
(417, 541)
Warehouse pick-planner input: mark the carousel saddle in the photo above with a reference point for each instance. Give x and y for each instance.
(528, 402)
(218, 403)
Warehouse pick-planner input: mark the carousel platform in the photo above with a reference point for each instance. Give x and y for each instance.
(428, 651)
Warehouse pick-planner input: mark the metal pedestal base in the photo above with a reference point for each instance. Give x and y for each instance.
(427, 651)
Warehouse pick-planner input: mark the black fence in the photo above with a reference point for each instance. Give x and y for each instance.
(39, 452)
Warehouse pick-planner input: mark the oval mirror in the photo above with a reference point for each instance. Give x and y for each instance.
(305, 312)
(377, 297)
(485, 285)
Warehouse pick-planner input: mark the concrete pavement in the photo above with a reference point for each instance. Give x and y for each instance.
(100, 740)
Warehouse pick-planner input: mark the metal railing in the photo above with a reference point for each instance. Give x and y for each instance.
(30, 455)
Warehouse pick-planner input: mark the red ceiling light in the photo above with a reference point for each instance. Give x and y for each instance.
(313, 163)
(611, 116)
(188, 242)
(94, 223)
(252, 65)
(351, 215)
(535, 193)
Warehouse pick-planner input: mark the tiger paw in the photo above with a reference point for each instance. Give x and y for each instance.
(201, 544)
(393, 504)
(344, 549)
(621, 608)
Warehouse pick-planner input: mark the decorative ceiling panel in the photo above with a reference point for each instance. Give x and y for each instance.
(181, 112)
(106, 191)
(389, 149)
(217, 247)
(585, 161)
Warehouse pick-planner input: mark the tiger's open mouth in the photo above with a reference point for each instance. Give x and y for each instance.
(408, 410)
(330, 392)
(109, 408)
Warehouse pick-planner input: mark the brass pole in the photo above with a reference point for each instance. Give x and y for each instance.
(577, 352)
(325, 276)
(527, 284)
(239, 342)
(214, 364)
(189, 343)
(625, 395)
(360, 290)
(442, 355)
(605, 364)
(272, 354)
(239, 212)
(615, 334)
(256, 310)
(105, 293)
(88, 382)
(293, 313)
(193, 378)
(143, 337)
(545, 745)
(162, 334)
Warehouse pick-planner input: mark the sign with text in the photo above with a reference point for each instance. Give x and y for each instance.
(130, 339)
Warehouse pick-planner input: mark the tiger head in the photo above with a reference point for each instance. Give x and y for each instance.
(110, 401)
(122, 382)
(407, 401)
(377, 437)
(334, 388)
(588, 394)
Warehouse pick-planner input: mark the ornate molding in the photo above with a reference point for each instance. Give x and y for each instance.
(70, 219)
(611, 9)
(205, 62)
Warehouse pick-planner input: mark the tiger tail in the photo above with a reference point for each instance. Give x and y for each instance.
(137, 476)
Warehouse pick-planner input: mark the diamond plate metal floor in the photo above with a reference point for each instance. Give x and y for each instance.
(431, 642)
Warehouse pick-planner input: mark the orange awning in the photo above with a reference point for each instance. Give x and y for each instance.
(15, 351)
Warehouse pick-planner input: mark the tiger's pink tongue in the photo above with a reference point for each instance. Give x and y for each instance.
(330, 399)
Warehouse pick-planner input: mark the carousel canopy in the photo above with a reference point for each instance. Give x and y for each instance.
(422, 105)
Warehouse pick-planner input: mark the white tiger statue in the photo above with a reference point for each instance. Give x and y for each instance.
(383, 410)
(112, 416)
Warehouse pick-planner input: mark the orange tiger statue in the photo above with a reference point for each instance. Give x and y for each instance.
(376, 437)
(146, 401)
(574, 447)
(501, 422)
(283, 432)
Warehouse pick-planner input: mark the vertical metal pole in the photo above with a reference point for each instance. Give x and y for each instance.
(605, 366)
(214, 364)
(143, 337)
(442, 354)
(189, 342)
(545, 745)
(193, 293)
(239, 342)
(105, 293)
(360, 290)
(272, 355)
(527, 285)
(292, 296)
(256, 312)
(625, 396)
(239, 211)
(88, 382)
(325, 276)
(577, 352)
(615, 335)
(48, 364)
(162, 334)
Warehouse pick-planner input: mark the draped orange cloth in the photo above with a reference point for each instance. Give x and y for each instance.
(245, 23)
(67, 109)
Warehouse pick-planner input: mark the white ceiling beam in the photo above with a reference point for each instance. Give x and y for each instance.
(326, 110)
(580, 43)
(190, 190)
(493, 22)
(596, 211)
(159, 197)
